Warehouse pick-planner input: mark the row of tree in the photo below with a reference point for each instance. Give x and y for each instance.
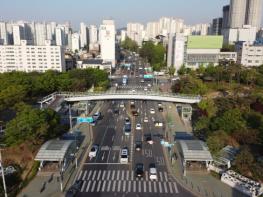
(20, 86)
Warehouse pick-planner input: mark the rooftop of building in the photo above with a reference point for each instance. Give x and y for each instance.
(205, 42)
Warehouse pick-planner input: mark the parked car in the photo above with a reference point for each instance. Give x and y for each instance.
(93, 151)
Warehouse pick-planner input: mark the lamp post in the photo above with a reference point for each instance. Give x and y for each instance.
(2, 170)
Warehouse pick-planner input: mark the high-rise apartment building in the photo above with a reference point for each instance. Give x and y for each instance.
(107, 41)
(217, 26)
(3, 34)
(17, 34)
(135, 31)
(152, 30)
(93, 34)
(83, 35)
(40, 33)
(254, 8)
(75, 42)
(226, 10)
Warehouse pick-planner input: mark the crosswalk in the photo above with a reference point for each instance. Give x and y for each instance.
(124, 181)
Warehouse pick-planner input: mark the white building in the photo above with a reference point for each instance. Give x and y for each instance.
(249, 55)
(245, 34)
(123, 35)
(83, 35)
(107, 41)
(3, 33)
(135, 31)
(237, 13)
(152, 30)
(29, 58)
(60, 37)
(17, 34)
(176, 46)
(40, 34)
(75, 42)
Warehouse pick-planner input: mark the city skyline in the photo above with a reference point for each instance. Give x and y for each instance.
(121, 13)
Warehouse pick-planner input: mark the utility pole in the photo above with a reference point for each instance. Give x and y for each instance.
(70, 117)
(2, 170)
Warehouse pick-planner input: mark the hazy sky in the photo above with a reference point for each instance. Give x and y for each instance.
(122, 11)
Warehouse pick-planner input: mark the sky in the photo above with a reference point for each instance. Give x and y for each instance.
(122, 11)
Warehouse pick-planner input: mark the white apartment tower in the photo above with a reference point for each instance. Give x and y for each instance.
(17, 34)
(176, 48)
(152, 29)
(60, 37)
(254, 8)
(75, 42)
(40, 33)
(3, 33)
(135, 31)
(237, 13)
(83, 35)
(107, 41)
(93, 34)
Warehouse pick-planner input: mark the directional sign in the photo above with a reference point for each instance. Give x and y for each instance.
(85, 119)
(148, 76)
(166, 144)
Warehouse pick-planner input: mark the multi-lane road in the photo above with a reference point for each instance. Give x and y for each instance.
(104, 175)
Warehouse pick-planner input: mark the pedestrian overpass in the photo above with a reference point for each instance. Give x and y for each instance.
(121, 95)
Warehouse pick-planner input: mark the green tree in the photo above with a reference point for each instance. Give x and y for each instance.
(244, 161)
(208, 106)
(171, 71)
(217, 141)
(130, 45)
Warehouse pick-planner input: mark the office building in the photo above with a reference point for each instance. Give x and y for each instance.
(225, 22)
(75, 42)
(29, 58)
(217, 26)
(83, 35)
(176, 46)
(237, 15)
(254, 8)
(107, 41)
(249, 55)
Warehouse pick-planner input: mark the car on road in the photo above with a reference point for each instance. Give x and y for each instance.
(138, 145)
(122, 104)
(149, 139)
(116, 111)
(152, 111)
(145, 119)
(127, 129)
(74, 189)
(142, 81)
(149, 85)
(135, 113)
(145, 89)
(124, 156)
(152, 171)
(160, 107)
(127, 121)
(158, 124)
(139, 170)
(93, 151)
(138, 127)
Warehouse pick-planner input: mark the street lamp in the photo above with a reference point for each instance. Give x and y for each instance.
(2, 169)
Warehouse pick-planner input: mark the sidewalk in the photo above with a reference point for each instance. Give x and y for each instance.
(44, 186)
(199, 183)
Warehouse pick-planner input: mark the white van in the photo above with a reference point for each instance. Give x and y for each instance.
(124, 158)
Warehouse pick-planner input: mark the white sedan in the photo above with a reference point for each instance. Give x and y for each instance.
(152, 111)
(153, 172)
(158, 124)
(145, 119)
(138, 126)
(93, 151)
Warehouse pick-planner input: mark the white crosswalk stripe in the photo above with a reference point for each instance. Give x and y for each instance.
(123, 181)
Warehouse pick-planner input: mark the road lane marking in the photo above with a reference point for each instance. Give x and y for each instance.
(80, 174)
(146, 175)
(98, 186)
(88, 186)
(144, 186)
(119, 186)
(150, 186)
(127, 174)
(165, 176)
(89, 175)
(122, 174)
(109, 186)
(103, 154)
(108, 176)
(134, 186)
(93, 186)
(175, 188)
(108, 156)
(165, 187)
(132, 175)
(118, 175)
(129, 186)
(139, 182)
(114, 156)
(98, 176)
(113, 186)
(103, 186)
(154, 187)
(83, 178)
(112, 139)
(103, 174)
(94, 174)
(170, 187)
(160, 187)
(83, 186)
(124, 186)
(112, 176)
(161, 176)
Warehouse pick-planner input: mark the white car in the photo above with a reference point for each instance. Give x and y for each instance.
(122, 105)
(153, 172)
(138, 126)
(158, 124)
(93, 151)
(124, 156)
(149, 85)
(145, 89)
(152, 111)
(145, 119)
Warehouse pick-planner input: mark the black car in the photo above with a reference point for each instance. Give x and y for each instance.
(138, 145)
(139, 170)
(74, 189)
(116, 111)
(148, 138)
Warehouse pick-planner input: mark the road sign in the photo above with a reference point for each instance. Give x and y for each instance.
(148, 76)
(85, 119)
(166, 144)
